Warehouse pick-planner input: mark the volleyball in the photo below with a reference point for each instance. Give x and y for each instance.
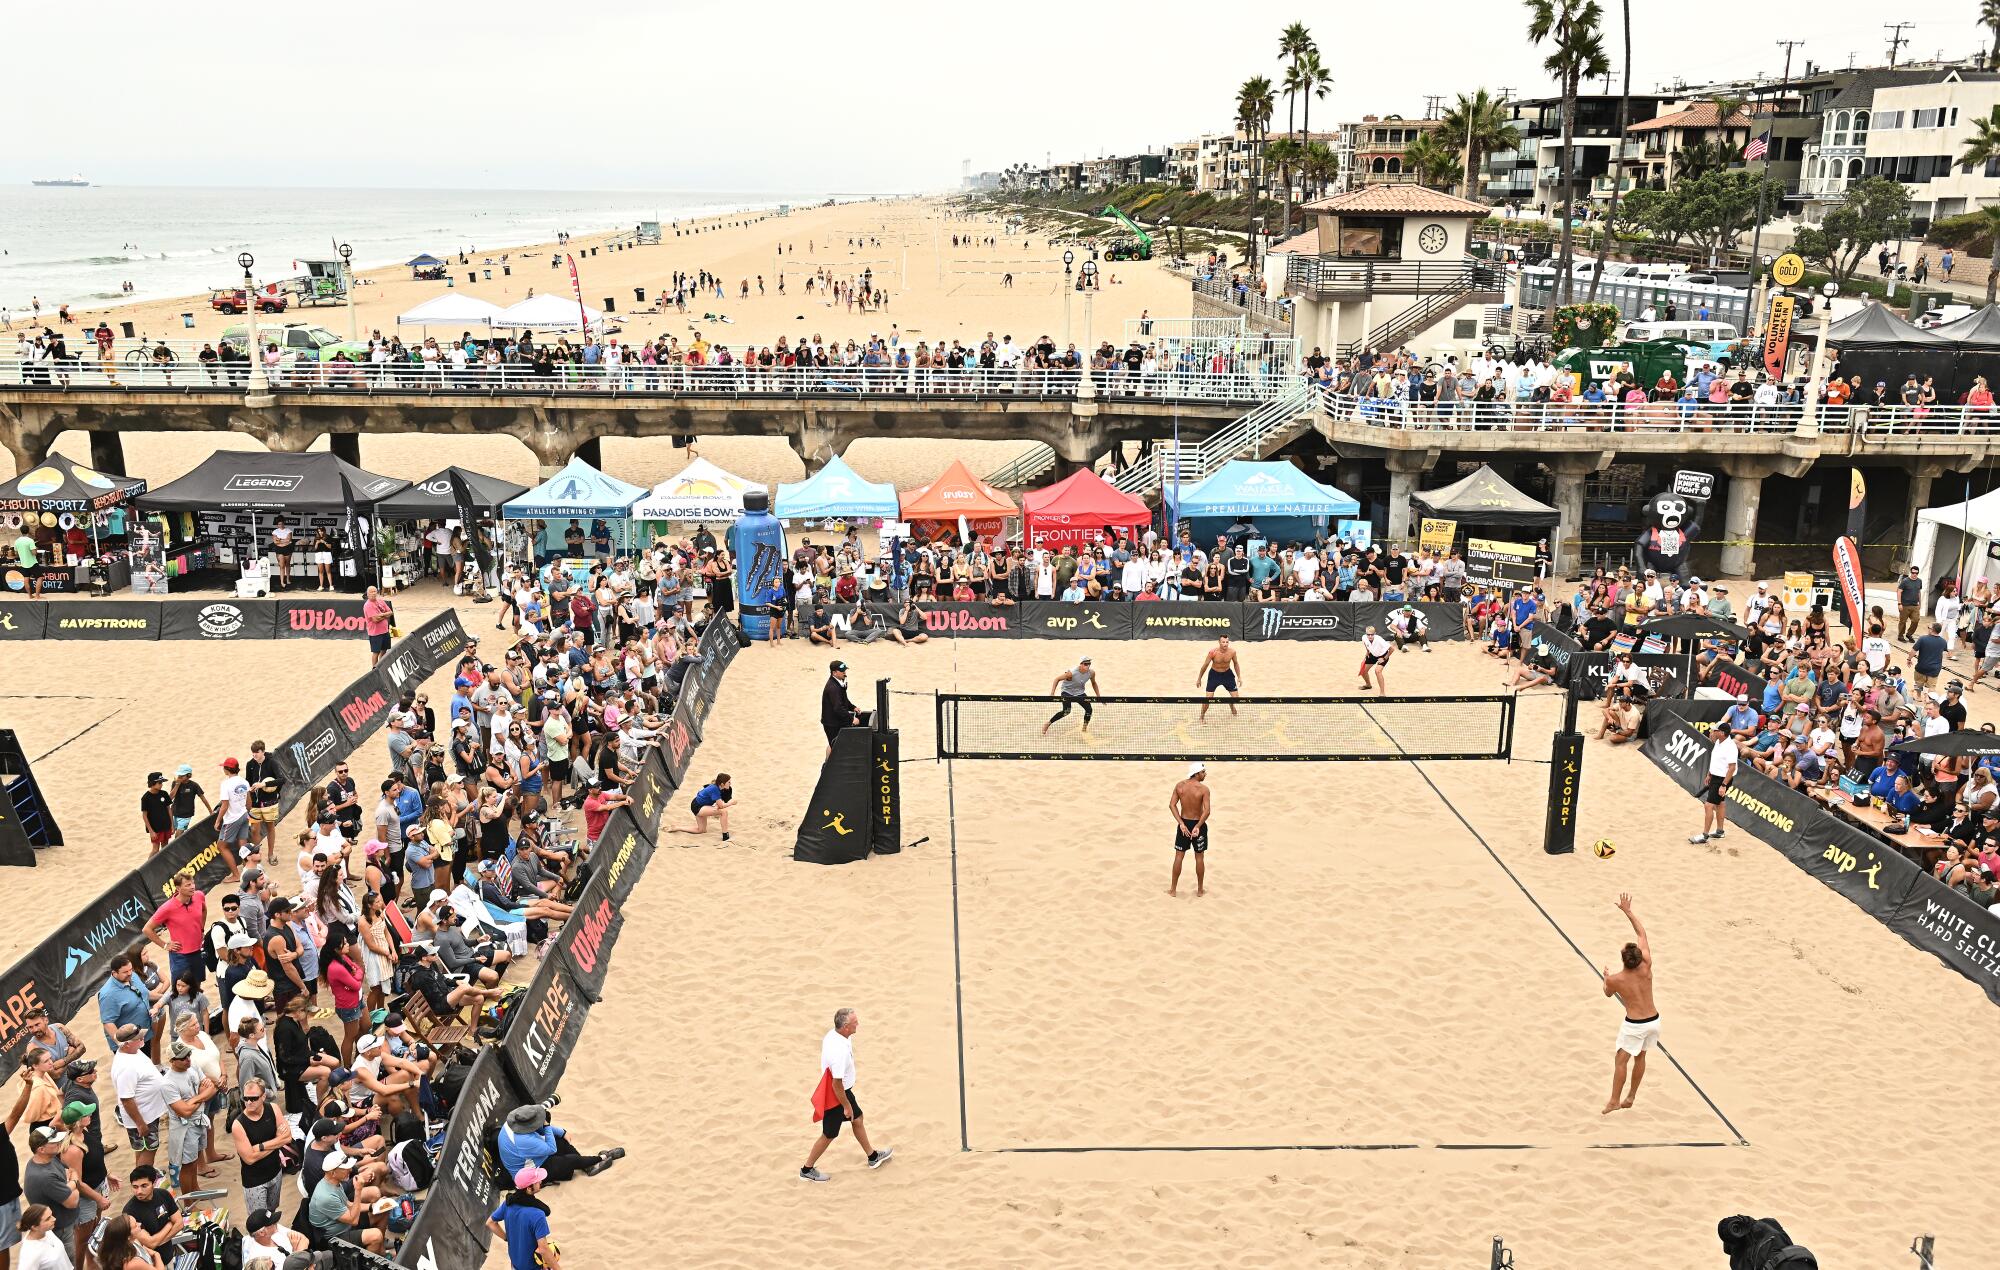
(1605, 848)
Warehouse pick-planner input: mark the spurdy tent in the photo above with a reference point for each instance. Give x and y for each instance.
(836, 492)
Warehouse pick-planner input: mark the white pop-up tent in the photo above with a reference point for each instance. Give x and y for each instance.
(1958, 541)
(548, 312)
(701, 491)
(453, 308)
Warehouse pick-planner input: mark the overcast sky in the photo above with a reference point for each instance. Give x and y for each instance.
(780, 96)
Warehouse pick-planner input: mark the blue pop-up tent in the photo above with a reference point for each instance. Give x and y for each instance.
(835, 492)
(578, 492)
(1283, 502)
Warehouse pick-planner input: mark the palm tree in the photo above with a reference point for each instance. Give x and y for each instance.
(1317, 81)
(1294, 42)
(1983, 147)
(1254, 106)
(1434, 162)
(1989, 17)
(1320, 165)
(1294, 85)
(1477, 126)
(1618, 162)
(1573, 31)
(1989, 218)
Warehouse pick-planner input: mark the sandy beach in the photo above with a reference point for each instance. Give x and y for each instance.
(936, 293)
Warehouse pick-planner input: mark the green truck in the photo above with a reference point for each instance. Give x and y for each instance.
(1137, 247)
(1643, 362)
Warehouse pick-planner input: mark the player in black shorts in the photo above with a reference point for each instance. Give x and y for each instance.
(1070, 687)
(1189, 806)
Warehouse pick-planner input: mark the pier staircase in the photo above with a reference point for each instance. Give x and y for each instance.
(1475, 284)
(1263, 431)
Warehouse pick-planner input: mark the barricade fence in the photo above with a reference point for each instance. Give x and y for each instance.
(68, 966)
(527, 1064)
(220, 618)
(1345, 620)
(1869, 873)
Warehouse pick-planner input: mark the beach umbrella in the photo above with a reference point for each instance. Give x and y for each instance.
(1952, 745)
(1693, 626)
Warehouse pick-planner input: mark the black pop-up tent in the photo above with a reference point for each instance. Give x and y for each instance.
(1975, 341)
(1882, 348)
(1485, 498)
(441, 497)
(236, 494)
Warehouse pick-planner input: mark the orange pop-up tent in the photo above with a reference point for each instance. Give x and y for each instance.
(935, 510)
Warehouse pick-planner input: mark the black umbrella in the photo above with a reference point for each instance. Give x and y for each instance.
(1952, 744)
(1693, 626)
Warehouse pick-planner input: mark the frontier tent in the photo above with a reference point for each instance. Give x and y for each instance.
(1485, 498)
(548, 312)
(700, 491)
(453, 308)
(836, 492)
(936, 510)
(1081, 509)
(578, 492)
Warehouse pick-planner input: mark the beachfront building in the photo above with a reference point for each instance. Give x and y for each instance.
(1690, 136)
(1531, 175)
(1385, 266)
(1371, 150)
(1908, 125)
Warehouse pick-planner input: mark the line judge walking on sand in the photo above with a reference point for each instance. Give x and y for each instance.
(1632, 985)
(1072, 687)
(1190, 806)
(834, 1103)
(1222, 667)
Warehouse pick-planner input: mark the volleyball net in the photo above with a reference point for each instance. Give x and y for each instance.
(1276, 729)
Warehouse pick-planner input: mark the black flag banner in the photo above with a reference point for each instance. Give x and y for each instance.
(837, 827)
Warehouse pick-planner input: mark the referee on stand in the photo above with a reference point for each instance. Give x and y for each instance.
(835, 710)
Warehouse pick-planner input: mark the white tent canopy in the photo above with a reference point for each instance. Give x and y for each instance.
(453, 308)
(547, 312)
(699, 491)
(1958, 538)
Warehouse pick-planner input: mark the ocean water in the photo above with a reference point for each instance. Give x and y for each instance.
(78, 246)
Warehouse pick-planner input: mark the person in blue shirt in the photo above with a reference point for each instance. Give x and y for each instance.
(1883, 783)
(1774, 697)
(1263, 570)
(124, 1000)
(712, 801)
(600, 537)
(1902, 798)
(523, 1221)
(1593, 393)
(1525, 606)
(528, 1141)
(1741, 718)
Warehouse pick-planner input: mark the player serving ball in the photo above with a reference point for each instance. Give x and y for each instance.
(1221, 667)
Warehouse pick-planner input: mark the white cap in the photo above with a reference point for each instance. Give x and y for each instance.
(1196, 769)
(1763, 586)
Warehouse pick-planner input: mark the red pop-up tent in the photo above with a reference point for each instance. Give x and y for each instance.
(1078, 510)
(935, 510)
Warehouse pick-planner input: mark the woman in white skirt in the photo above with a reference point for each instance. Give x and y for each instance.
(378, 951)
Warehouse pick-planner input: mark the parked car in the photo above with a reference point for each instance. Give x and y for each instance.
(231, 300)
(298, 341)
(1944, 313)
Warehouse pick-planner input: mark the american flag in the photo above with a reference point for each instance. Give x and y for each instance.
(1758, 145)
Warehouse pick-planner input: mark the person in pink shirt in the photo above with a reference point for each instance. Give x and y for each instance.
(378, 614)
(345, 977)
(178, 926)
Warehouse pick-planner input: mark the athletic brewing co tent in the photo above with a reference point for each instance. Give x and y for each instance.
(936, 510)
(58, 485)
(436, 498)
(453, 308)
(578, 490)
(547, 312)
(1485, 498)
(247, 479)
(699, 491)
(1958, 539)
(1078, 509)
(835, 492)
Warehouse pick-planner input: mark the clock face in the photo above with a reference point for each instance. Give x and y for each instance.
(1432, 239)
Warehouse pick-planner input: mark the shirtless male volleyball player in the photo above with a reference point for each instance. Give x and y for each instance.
(1073, 688)
(1222, 666)
(1632, 985)
(1189, 805)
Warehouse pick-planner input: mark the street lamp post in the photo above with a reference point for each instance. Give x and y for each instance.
(1816, 381)
(1756, 322)
(347, 285)
(1088, 389)
(1068, 258)
(254, 383)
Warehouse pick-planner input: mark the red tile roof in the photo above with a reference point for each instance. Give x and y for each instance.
(1403, 200)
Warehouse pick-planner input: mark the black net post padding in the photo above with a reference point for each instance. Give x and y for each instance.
(1565, 784)
(1267, 729)
(837, 827)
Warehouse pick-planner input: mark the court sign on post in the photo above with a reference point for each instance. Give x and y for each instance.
(1688, 484)
(1492, 562)
(1435, 534)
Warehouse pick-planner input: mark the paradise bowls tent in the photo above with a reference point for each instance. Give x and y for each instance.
(701, 491)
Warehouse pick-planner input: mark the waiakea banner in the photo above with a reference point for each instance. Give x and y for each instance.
(66, 969)
(1870, 873)
(528, 1065)
(220, 618)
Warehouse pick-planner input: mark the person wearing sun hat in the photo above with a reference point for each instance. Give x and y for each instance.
(522, 1219)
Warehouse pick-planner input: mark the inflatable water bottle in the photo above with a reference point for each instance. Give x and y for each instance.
(757, 541)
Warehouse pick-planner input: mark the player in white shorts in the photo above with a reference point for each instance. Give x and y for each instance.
(1640, 1032)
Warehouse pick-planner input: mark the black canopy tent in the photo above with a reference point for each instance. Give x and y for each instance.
(1884, 349)
(1975, 339)
(1486, 498)
(237, 494)
(438, 498)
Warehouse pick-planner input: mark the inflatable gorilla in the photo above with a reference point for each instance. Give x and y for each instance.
(1669, 535)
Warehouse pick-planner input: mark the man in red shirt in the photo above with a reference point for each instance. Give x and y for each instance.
(177, 926)
(378, 613)
(598, 805)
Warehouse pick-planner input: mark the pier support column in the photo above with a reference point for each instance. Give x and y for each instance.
(591, 451)
(1923, 472)
(345, 446)
(1406, 472)
(816, 440)
(107, 452)
(1739, 518)
(1566, 544)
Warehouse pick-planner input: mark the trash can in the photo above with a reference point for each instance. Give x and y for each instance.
(638, 295)
(610, 304)
(127, 326)
(450, 281)
(489, 274)
(506, 271)
(593, 251)
(187, 320)
(473, 276)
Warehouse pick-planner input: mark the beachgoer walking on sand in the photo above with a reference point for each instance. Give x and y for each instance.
(1221, 666)
(1640, 1032)
(834, 1103)
(1072, 688)
(1189, 805)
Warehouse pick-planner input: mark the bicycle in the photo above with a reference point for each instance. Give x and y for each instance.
(152, 356)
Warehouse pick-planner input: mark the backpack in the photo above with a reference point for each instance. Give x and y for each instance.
(208, 956)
